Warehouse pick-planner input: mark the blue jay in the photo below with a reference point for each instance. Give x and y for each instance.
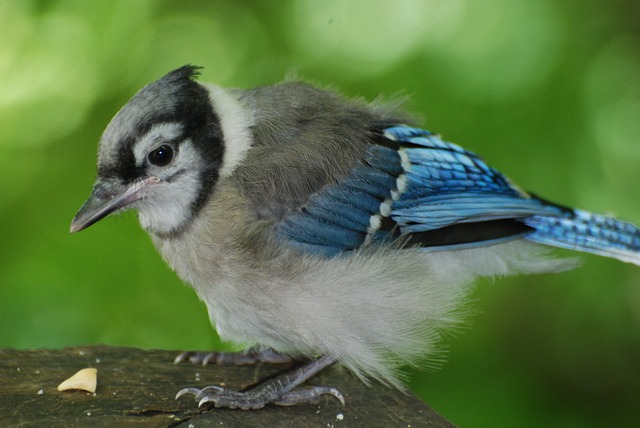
(320, 227)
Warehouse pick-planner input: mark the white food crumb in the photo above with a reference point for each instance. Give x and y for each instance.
(85, 379)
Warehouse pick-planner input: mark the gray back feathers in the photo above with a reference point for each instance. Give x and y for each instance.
(297, 125)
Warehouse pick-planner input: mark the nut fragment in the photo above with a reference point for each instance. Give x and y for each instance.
(85, 379)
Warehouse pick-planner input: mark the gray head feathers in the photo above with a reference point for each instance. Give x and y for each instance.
(175, 97)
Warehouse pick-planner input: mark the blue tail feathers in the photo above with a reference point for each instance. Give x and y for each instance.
(583, 231)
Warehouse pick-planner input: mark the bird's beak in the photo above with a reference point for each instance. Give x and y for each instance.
(107, 198)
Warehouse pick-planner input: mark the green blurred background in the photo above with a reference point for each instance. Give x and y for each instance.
(547, 91)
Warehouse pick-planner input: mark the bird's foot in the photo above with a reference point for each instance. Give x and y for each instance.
(258, 397)
(248, 357)
(279, 391)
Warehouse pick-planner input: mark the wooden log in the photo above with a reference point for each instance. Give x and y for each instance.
(137, 388)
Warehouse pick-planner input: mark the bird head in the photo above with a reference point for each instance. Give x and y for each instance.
(161, 154)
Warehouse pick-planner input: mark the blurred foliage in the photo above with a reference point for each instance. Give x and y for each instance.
(547, 91)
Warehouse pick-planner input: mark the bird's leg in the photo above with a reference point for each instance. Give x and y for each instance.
(280, 391)
(248, 357)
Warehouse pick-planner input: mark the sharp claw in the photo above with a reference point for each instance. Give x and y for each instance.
(336, 393)
(185, 391)
(208, 359)
(203, 401)
(181, 357)
(208, 391)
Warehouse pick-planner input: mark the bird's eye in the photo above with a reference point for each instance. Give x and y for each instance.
(161, 156)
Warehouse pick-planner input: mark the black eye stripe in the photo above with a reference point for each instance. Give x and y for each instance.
(161, 156)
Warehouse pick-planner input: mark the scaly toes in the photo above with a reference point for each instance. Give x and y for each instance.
(223, 397)
(309, 395)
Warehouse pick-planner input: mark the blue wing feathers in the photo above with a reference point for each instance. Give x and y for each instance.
(432, 186)
(341, 214)
(370, 181)
(385, 160)
(443, 170)
(444, 210)
(404, 133)
(355, 197)
(334, 220)
(309, 229)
